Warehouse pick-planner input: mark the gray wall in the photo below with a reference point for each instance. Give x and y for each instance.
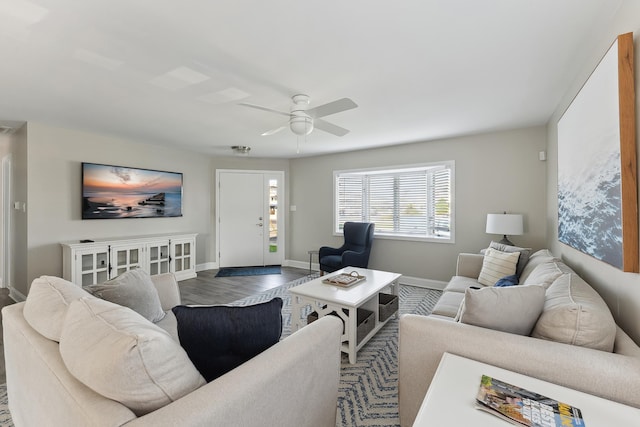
(494, 172)
(620, 290)
(54, 194)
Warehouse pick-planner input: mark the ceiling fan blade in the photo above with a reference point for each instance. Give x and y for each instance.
(264, 108)
(276, 130)
(343, 104)
(330, 127)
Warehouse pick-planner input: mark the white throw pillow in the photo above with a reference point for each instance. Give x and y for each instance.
(47, 303)
(514, 309)
(119, 354)
(544, 274)
(574, 313)
(496, 265)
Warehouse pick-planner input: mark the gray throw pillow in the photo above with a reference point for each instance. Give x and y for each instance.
(513, 309)
(133, 289)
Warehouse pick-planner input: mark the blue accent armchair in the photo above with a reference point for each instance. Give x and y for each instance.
(358, 238)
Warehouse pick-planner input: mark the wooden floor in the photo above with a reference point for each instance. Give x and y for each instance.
(208, 289)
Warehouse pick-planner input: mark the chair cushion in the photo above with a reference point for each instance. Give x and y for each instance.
(461, 284)
(496, 265)
(47, 303)
(575, 314)
(331, 260)
(121, 355)
(220, 338)
(513, 309)
(448, 304)
(133, 289)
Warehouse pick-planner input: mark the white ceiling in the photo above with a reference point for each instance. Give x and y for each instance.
(169, 72)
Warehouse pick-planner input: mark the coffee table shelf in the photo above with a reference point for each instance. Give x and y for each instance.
(329, 299)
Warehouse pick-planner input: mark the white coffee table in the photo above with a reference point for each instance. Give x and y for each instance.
(325, 299)
(450, 399)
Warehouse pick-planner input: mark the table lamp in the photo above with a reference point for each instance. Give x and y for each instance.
(505, 224)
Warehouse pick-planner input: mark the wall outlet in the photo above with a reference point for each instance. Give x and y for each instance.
(293, 208)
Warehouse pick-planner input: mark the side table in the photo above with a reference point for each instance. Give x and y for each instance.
(311, 254)
(450, 399)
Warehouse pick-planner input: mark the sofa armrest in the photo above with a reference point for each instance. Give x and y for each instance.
(168, 290)
(423, 340)
(301, 372)
(469, 265)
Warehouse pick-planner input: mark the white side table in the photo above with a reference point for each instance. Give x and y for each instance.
(450, 399)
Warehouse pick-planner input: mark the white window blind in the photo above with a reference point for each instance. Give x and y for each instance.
(405, 202)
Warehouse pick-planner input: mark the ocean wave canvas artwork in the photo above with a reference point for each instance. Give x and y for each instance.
(590, 175)
(122, 192)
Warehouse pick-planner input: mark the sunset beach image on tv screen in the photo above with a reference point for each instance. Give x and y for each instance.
(124, 192)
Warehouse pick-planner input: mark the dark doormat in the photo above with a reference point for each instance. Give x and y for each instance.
(248, 271)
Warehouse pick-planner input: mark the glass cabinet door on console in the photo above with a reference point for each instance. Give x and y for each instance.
(91, 265)
(125, 258)
(182, 258)
(158, 257)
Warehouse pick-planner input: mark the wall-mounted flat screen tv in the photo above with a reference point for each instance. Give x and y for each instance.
(122, 192)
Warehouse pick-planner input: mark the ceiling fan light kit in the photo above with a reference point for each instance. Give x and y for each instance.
(241, 150)
(303, 120)
(301, 125)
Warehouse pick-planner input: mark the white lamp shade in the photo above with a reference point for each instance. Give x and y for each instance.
(506, 224)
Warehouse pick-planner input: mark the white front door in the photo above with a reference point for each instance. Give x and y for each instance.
(249, 218)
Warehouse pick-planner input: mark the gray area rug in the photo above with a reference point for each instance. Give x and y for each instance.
(368, 394)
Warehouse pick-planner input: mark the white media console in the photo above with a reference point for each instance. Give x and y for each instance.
(86, 263)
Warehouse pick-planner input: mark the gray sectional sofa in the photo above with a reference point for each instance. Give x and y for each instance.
(62, 345)
(573, 339)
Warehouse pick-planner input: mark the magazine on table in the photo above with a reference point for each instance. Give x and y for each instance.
(344, 279)
(523, 407)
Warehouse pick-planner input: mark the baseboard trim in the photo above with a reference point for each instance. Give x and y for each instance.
(16, 295)
(206, 266)
(423, 283)
(300, 264)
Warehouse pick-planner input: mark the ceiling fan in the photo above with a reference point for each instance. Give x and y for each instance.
(302, 119)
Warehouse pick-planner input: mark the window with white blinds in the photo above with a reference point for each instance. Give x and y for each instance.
(409, 202)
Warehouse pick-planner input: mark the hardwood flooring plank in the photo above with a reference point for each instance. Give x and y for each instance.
(207, 289)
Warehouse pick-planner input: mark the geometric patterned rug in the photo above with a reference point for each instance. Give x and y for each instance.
(368, 394)
(5, 416)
